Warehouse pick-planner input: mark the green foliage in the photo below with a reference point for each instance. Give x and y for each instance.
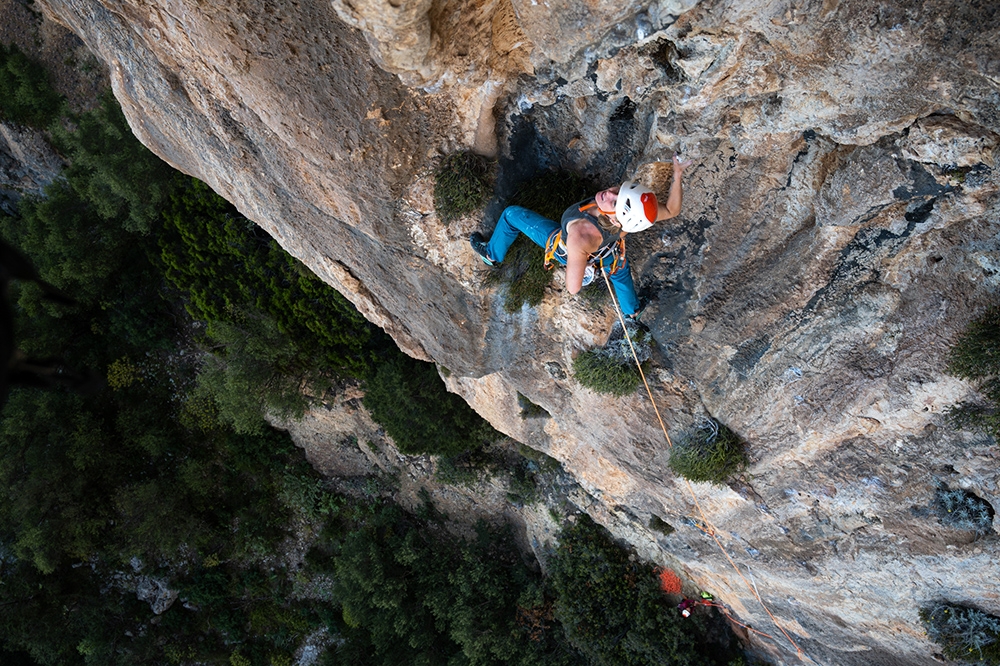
(523, 486)
(712, 452)
(601, 372)
(226, 268)
(462, 185)
(660, 525)
(408, 399)
(612, 368)
(26, 95)
(963, 509)
(255, 373)
(106, 270)
(523, 273)
(530, 410)
(408, 598)
(522, 270)
(611, 607)
(976, 356)
(119, 178)
(965, 634)
(465, 469)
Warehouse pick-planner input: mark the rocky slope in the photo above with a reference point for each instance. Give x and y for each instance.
(840, 228)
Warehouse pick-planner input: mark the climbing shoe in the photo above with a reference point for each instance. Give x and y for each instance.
(478, 244)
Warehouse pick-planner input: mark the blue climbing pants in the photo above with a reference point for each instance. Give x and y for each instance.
(515, 220)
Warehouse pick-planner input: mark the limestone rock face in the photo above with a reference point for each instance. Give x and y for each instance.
(839, 230)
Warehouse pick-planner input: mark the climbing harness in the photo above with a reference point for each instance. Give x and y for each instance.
(711, 530)
(555, 249)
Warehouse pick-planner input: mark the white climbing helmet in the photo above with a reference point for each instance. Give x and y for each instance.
(636, 208)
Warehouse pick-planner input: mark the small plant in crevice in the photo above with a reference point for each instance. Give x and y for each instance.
(611, 368)
(965, 634)
(963, 509)
(529, 409)
(523, 271)
(465, 469)
(463, 183)
(523, 487)
(976, 356)
(602, 373)
(712, 452)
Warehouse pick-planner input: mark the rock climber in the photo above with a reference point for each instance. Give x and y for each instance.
(591, 235)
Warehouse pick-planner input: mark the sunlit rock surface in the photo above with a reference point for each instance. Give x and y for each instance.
(839, 229)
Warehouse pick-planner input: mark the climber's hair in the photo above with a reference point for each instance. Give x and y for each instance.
(606, 223)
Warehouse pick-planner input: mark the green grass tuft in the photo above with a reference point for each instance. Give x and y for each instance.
(711, 453)
(600, 372)
(523, 273)
(463, 183)
(976, 356)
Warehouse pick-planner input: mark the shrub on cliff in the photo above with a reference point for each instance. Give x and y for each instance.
(965, 634)
(976, 356)
(463, 183)
(26, 96)
(963, 509)
(712, 452)
(604, 374)
(611, 368)
(408, 398)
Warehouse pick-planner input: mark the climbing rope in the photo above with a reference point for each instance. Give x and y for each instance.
(711, 531)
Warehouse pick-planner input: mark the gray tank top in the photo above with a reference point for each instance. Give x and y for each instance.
(587, 210)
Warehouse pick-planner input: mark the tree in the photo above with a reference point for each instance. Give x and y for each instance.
(612, 609)
(408, 398)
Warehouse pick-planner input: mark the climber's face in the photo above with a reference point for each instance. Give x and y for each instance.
(606, 201)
